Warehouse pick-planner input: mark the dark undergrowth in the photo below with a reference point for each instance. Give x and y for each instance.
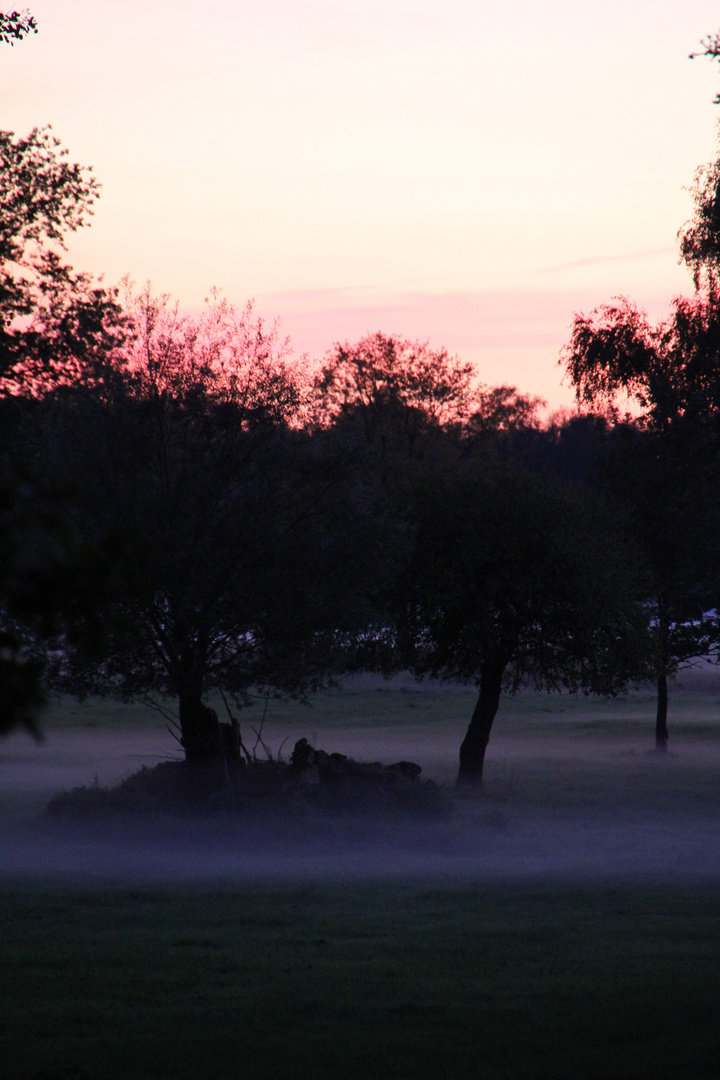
(311, 783)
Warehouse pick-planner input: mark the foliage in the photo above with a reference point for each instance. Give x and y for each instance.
(196, 448)
(15, 25)
(665, 484)
(664, 471)
(224, 357)
(56, 328)
(21, 690)
(398, 391)
(43, 196)
(514, 578)
(502, 409)
(570, 446)
(393, 390)
(700, 237)
(56, 578)
(510, 564)
(671, 371)
(380, 370)
(55, 325)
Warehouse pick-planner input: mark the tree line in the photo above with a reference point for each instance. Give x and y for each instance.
(188, 510)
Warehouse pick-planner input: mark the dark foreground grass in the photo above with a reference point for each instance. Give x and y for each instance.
(352, 980)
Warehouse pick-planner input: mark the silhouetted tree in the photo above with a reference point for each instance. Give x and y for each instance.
(669, 472)
(666, 487)
(57, 583)
(670, 371)
(570, 446)
(407, 413)
(392, 391)
(21, 690)
(662, 489)
(513, 579)
(198, 449)
(699, 238)
(396, 391)
(55, 326)
(502, 410)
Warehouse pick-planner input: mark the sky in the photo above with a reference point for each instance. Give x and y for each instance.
(467, 173)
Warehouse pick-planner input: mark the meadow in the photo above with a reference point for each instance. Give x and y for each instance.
(567, 924)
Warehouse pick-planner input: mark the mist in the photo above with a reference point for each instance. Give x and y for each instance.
(574, 789)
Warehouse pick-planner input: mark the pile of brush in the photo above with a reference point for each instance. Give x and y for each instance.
(311, 782)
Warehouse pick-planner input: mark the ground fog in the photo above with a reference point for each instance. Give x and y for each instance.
(574, 788)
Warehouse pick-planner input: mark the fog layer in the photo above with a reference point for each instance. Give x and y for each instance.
(568, 797)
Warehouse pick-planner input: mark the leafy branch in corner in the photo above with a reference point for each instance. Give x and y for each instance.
(710, 47)
(15, 25)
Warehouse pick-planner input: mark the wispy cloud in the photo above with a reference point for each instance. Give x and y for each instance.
(596, 260)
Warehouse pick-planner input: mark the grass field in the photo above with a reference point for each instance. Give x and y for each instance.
(566, 925)
(346, 980)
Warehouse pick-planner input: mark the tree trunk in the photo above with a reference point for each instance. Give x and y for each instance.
(661, 730)
(199, 729)
(663, 661)
(474, 745)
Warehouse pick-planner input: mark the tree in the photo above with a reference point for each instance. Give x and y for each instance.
(15, 25)
(666, 474)
(501, 410)
(198, 448)
(699, 238)
(55, 583)
(513, 579)
(395, 408)
(21, 690)
(665, 486)
(392, 390)
(43, 196)
(397, 391)
(55, 324)
(670, 371)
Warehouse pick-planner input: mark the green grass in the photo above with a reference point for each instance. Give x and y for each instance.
(369, 703)
(103, 714)
(546, 750)
(341, 980)
(386, 978)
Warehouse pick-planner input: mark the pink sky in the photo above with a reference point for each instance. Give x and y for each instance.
(512, 336)
(469, 172)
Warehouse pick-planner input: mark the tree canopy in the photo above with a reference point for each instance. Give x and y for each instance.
(670, 371)
(664, 469)
(514, 579)
(55, 324)
(242, 520)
